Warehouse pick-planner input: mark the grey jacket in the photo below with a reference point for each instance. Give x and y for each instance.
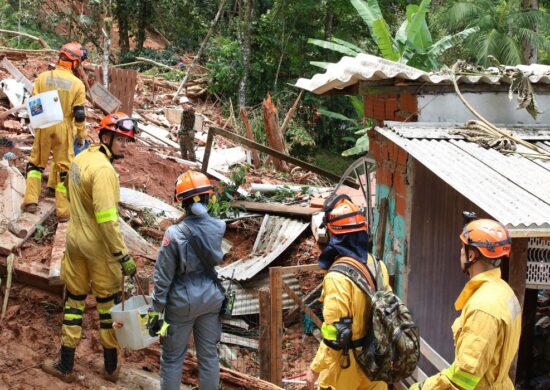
(182, 289)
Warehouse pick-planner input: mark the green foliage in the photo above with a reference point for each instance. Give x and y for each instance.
(43, 233)
(503, 27)
(412, 43)
(224, 67)
(300, 143)
(220, 204)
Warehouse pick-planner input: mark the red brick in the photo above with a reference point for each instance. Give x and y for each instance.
(408, 103)
(399, 183)
(384, 155)
(402, 156)
(374, 148)
(379, 109)
(382, 175)
(400, 205)
(369, 106)
(391, 107)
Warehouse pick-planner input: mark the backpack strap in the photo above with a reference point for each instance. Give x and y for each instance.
(357, 272)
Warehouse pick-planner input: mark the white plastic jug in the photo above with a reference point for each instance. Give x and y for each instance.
(134, 333)
(45, 109)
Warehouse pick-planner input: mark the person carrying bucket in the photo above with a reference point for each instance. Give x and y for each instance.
(58, 138)
(186, 287)
(96, 256)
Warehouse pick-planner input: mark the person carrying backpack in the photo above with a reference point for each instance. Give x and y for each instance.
(345, 305)
(486, 335)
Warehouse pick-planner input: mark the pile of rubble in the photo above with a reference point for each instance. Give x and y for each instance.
(540, 369)
(273, 219)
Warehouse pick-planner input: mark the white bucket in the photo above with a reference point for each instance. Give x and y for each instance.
(45, 109)
(134, 333)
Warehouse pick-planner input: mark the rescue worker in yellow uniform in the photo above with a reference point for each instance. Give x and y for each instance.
(95, 255)
(342, 298)
(58, 138)
(486, 335)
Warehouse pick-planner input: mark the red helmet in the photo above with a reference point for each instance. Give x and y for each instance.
(489, 236)
(343, 216)
(191, 184)
(74, 51)
(119, 123)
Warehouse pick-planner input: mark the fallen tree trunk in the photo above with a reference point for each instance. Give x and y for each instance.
(38, 39)
(273, 132)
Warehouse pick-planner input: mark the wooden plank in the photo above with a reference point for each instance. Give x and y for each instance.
(30, 275)
(9, 242)
(58, 250)
(12, 69)
(302, 305)
(433, 356)
(381, 229)
(148, 129)
(275, 208)
(255, 155)
(301, 268)
(104, 99)
(137, 244)
(272, 152)
(264, 295)
(123, 85)
(517, 275)
(276, 331)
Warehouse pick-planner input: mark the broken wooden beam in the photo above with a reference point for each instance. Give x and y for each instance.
(255, 155)
(253, 145)
(10, 243)
(302, 305)
(275, 208)
(58, 250)
(136, 244)
(274, 136)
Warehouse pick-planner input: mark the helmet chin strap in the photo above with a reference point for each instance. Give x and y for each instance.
(468, 264)
(110, 147)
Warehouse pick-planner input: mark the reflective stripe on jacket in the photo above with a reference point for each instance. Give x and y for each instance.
(486, 336)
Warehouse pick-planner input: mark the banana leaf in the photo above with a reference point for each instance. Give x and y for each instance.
(369, 11)
(381, 33)
(332, 46)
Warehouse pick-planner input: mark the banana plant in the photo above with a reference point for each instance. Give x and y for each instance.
(412, 44)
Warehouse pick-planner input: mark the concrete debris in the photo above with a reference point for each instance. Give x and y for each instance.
(14, 91)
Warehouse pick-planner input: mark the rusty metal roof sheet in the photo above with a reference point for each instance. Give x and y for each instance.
(275, 235)
(350, 70)
(513, 189)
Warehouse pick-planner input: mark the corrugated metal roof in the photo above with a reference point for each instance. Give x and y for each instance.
(350, 70)
(275, 235)
(437, 130)
(246, 297)
(513, 189)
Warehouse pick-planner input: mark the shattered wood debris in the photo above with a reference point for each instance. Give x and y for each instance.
(146, 207)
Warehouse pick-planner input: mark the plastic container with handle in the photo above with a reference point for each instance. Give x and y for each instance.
(45, 109)
(134, 333)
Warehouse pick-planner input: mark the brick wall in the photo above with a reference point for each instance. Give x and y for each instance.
(391, 183)
(395, 107)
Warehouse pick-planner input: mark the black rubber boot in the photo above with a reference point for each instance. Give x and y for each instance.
(63, 369)
(110, 357)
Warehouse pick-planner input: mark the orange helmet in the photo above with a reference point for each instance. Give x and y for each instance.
(191, 184)
(490, 237)
(119, 123)
(74, 51)
(343, 216)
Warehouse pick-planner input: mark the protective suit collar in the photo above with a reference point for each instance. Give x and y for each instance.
(351, 245)
(474, 284)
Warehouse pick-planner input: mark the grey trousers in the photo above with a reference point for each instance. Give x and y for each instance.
(206, 332)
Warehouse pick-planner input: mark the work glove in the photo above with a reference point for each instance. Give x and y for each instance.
(128, 265)
(156, 325)
(416, 386)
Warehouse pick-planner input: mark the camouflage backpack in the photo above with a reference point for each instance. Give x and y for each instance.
(391, 348)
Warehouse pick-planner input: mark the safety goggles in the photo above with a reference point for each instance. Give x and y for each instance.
(127, 124)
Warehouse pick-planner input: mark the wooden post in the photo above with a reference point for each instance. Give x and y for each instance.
(250, 136)
(274, 136)
(276, 333)
(516, 279)
(381, 229)
(265, 333)
(208, 147)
